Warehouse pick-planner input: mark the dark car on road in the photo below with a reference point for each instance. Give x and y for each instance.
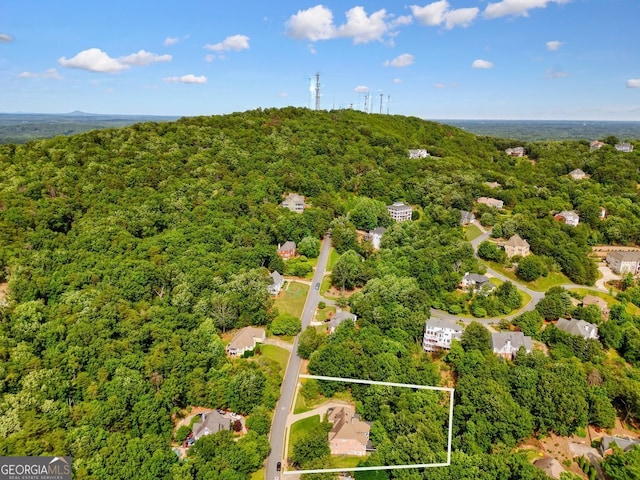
(317, 287)
(278, 466)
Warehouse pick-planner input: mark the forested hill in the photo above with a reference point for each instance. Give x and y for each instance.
(126, 252)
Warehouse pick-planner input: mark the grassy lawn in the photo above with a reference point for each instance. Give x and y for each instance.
(540, 285)
(630, 307)
(259, 475)
(333, 258)
(276, 353)
(298, 429)
(347, 461)
(472, 232)
(293, 298)
(324, 313)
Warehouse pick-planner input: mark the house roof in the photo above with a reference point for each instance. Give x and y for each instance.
(577, 327)
(286, 246)
(378, 231)
(444, 324)
(211, 422)
(492, 184)
(625, 443)
(276, 278)
(490, 201)
(628, 256)
(499, 340)
(398, 206)
(516, 241)
(347, 425)
(551, 466)
(340, 317)
(246, 337)
(466, 217)
(475, 278)
(577, 172)
(294, 198)
(569, 214)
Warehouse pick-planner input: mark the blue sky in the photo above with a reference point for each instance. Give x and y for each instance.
(448, 59)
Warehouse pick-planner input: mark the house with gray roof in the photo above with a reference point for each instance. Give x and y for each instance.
(466, 217)
(578, 327)
(624, 262)
(375, 236)
(550, 466)
(294, 202)
(473, 280)
(490, 202)
(245, 340)
(625, 147)
(625, 443)
(568, 217)
(507, 344)
(578, 174)
(277, 281)
(211, 422)
(340, 317)
(418, 153)
(439, 333)
(400, 212)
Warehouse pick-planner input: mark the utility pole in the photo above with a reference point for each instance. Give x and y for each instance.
(381, 95)
(318, 91)
(388, 102)
(366, 102)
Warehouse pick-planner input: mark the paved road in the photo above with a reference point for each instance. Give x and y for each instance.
(278, 425)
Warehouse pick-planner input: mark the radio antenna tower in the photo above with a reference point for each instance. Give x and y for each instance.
(381, 95)
(317, 91)
(388, 102)
(366, 102)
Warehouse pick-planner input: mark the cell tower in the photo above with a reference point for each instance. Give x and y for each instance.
(388, 102)
(317, 91)
(381, 95)
(366, 102)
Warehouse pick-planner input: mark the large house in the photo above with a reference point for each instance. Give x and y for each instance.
(507, 344)
(624, 262)
(578, 327)
(490, 202)
(418, 153)
(624, 147)
(624, 443)
(287, 250)
(578, 174)
(598, 302)
(516, 245)
(438, 334)
(375, 236)
(349, 434)
(400, 212)
(473, 280)
(596, 145)
(340, 317)
(568, 217)
(466, 217)
(211, 422)
(515, 152)
(294, 202)
(245, 340)
(277, 281)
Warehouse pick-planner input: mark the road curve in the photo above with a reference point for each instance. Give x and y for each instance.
(279, 422)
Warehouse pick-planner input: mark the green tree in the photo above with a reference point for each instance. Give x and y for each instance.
(531, 268)
(622, 465)
(313, 445)
(286, 324)
(309, 342)
(309, 247)
(476, 337)
(348, 272)
(490, 251)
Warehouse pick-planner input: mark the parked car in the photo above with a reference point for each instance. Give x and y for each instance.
(279, 466)
(317, 287)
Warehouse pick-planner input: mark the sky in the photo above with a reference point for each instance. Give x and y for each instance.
(445, 59)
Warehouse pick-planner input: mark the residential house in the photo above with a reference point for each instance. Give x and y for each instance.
(287, 250)
(375, 236)
(245, 340)
(490, 202)
(294, 202)
(210, 422)
(550, 466)
(507, 344)
(578, 327)
(598, 302)
(515, 152)
(624, 262)
(400, 212)
(568, 217)
(492, 184)
(277, 281)
(516, 245)
(438, 334)
(473, 280)
(340, 317)
(418, 153)
(466, 217)
(349, 434)
(578, 174)
(625, 443)
(596, 145)
(624, 147)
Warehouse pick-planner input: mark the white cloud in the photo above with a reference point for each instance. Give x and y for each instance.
(209, 58)
(5, 38)
(143, 58)
(51, 73)
(315, 23)
(438, 85)
(397, 81)
(190, 78)
(516, 7)
(234, 43)
(364, 28)
(361, 89)
(556, 73)
(403, 60)
(283, 95)
(438, 13)
(633, 83)
(170, 41)
(93, 60)
(432, 14)
(462, 17)
(481, 64)
(554, 45)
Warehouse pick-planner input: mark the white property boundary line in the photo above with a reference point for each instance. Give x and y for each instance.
(385, 467)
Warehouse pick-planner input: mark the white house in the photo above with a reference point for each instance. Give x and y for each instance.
(507, 344)
(294, 202)
(376, 235)
(473, 280)
(578, 327)
(438, 334)
(400, 212)
(624, 147)
(624, 262)
(277, 281)
(568, 217)
(418, 153)
(245, 340)
(578, 174)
